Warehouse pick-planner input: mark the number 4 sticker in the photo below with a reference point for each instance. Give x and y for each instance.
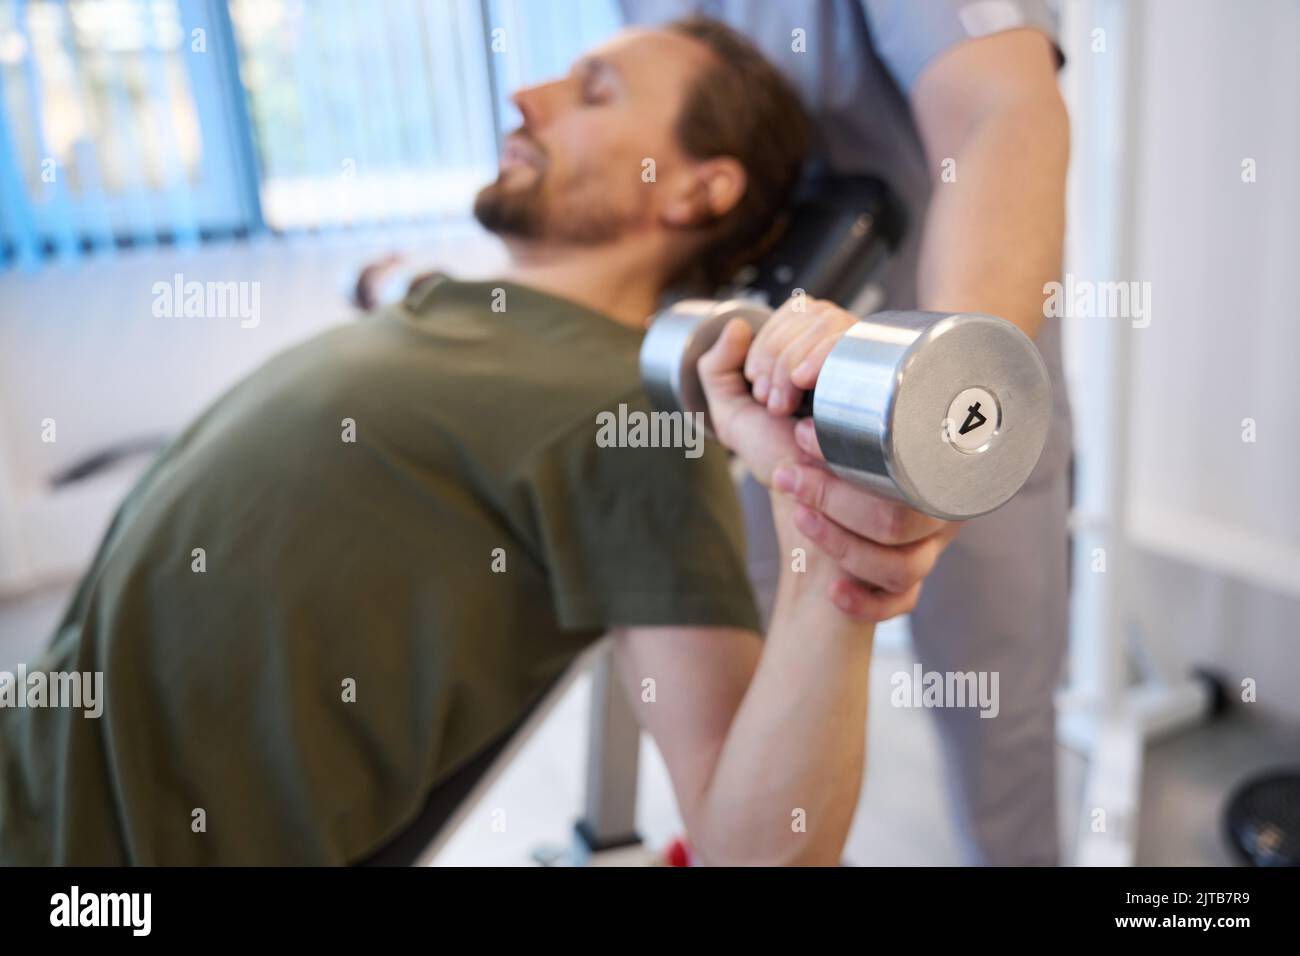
(973, 420)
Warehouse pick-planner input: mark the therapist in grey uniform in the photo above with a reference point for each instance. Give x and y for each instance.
(955, 105)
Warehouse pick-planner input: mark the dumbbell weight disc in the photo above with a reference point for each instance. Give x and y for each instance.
(945, 412)
(676, 339)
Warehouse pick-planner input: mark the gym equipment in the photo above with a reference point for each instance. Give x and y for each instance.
(838, 232)
(1262, 819)
(947, 412)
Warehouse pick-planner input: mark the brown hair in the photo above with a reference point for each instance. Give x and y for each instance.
(741, 106)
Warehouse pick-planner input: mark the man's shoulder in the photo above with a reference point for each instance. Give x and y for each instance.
(513, 372)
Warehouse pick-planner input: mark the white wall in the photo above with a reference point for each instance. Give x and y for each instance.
(1217, 519)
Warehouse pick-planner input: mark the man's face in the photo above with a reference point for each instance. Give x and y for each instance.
(573, 172)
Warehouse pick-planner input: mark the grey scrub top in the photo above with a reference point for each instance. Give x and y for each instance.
(861, 59)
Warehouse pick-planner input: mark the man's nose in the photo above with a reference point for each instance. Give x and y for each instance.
(539, 104)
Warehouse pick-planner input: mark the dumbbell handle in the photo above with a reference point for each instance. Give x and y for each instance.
(678, 336)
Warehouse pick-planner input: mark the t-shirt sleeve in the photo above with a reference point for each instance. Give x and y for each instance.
(640, 536)
(908, 35)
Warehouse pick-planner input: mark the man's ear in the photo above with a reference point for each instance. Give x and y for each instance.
(710, 189)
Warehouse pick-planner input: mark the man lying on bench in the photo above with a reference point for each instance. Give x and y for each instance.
(364, 562)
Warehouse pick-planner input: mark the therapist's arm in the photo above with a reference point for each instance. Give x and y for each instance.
(993, 237)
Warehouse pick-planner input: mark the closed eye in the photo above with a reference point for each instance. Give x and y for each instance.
(597, 79)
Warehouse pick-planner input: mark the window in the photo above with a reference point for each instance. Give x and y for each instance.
(127, 122)
(391, 109)
(111, 129)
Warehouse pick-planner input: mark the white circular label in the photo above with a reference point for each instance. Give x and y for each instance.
(973, 419)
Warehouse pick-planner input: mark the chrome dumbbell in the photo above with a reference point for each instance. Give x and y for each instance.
(947, 412)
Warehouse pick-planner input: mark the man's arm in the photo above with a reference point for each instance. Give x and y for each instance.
(764, 740)
(993, 237)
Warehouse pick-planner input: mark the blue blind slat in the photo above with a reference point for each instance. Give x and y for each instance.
(51, 209)
(94, 220)
(176, 192)
(406, 34)
(17, 221)
(136, 218)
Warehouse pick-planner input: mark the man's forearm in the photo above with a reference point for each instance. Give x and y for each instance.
(787, 780)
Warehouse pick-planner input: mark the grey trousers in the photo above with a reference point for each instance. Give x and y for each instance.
(997, 601)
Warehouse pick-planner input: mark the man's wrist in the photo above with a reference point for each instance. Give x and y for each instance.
(801, 559)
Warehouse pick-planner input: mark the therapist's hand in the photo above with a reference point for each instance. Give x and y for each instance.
(883, 548)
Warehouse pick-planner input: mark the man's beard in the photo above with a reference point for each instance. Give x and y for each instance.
(517, 213)
(531, 213)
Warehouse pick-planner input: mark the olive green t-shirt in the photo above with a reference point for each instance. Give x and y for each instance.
(356, 569)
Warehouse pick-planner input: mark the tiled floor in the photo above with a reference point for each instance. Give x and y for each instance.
(902, 818)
